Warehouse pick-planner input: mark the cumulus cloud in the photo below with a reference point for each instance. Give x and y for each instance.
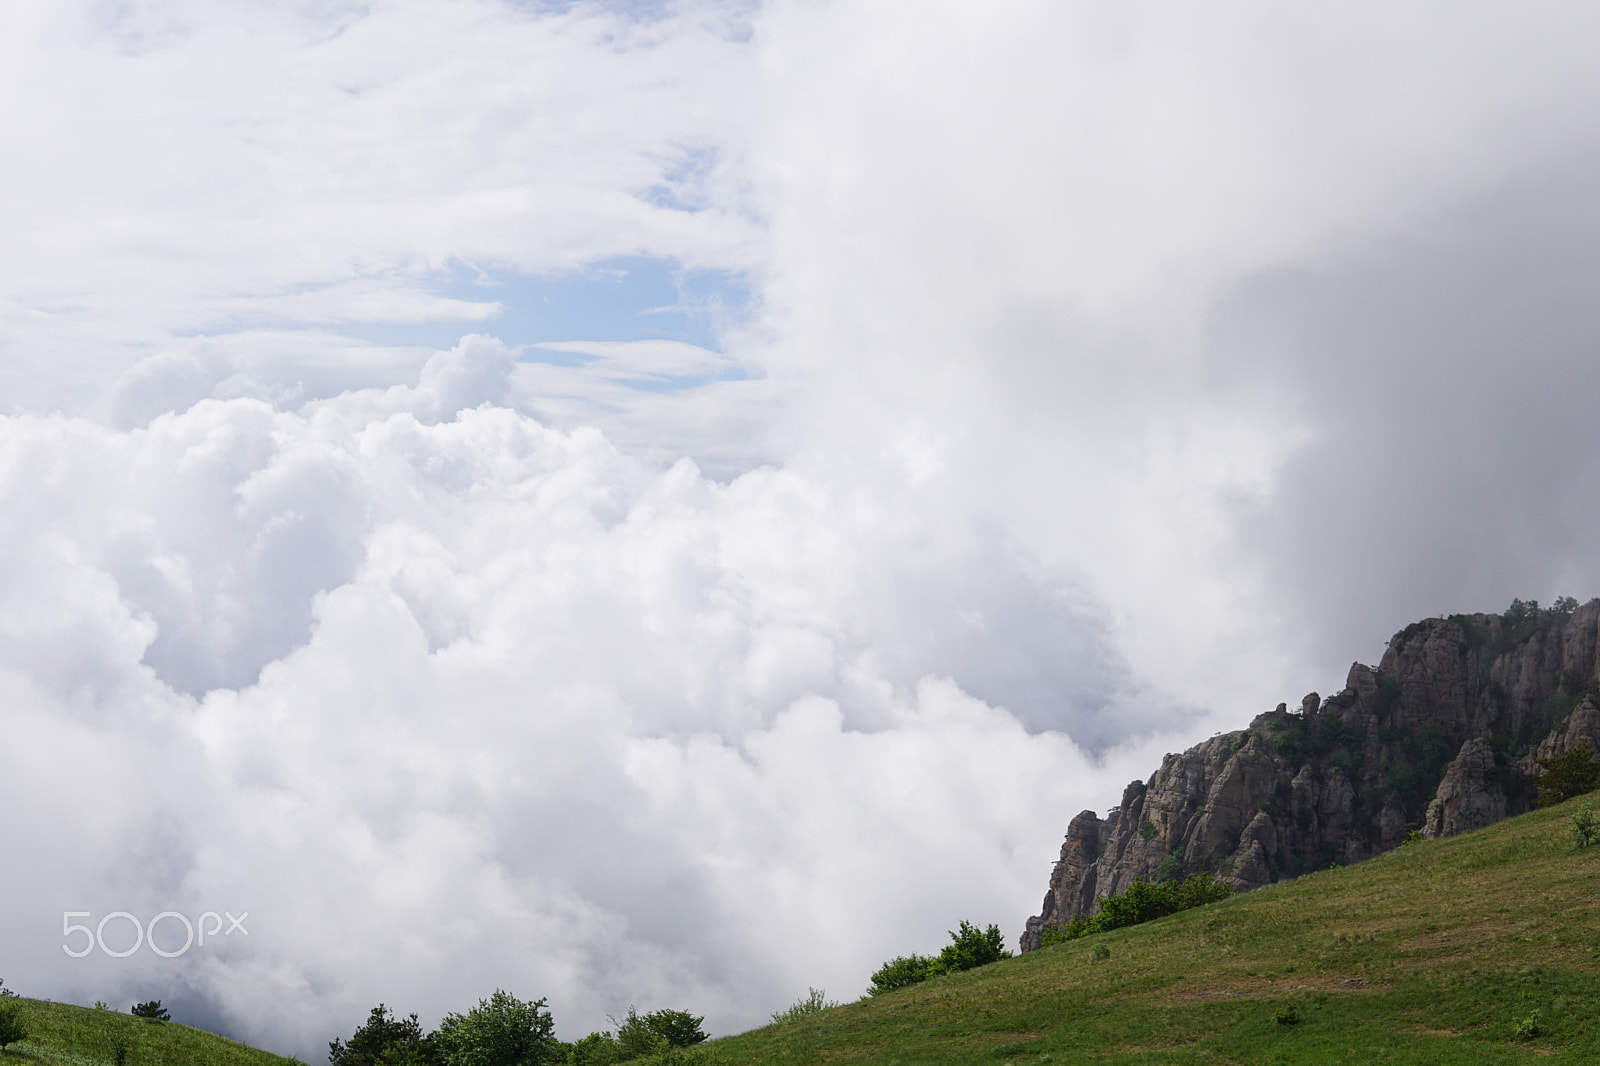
(457, 693)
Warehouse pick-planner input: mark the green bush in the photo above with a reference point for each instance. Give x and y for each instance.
(384, 1040)
(685, 1056)
(596, 1049)
(1141, 902)
(969, 947)
(1573, 774)
(1054, 934)
(635, 1039)
(1585, 826)
(1080, 926)
(12, 1027)
(678, 1028)
(500, 1031)
(1171, 867)
(816, 1001)
(639, 1035)
(902, 971)
(151, 1010)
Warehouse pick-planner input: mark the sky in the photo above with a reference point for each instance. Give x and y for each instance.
(673, 504)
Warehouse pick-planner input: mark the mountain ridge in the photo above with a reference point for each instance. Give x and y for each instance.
(1442, 737)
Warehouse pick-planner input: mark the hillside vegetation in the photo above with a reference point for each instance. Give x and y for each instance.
(61, 1033)
(1483, 948)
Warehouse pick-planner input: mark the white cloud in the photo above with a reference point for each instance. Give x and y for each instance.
(1016, 244)
(450, 700)
(184, 167)
(659, 361)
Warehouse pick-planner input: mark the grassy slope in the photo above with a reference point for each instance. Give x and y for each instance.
(81, 1036)
(1431, 954)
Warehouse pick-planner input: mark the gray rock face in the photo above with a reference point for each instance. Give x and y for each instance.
(1582, 726)
(1443, 736)
(1074, 873)
(1469, 797)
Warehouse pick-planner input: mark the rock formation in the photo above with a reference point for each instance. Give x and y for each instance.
(1469, 797)
(1443, 737)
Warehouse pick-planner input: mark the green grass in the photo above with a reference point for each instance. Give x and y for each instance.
(82, 1036)
(1440, 952)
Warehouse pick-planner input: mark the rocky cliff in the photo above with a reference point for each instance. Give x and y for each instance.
(1442, 737)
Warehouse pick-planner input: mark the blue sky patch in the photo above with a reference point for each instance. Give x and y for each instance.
(623, 299)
